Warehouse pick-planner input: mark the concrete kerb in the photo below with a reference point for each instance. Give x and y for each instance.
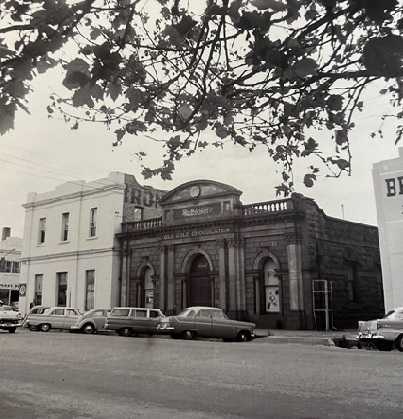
(344, 339)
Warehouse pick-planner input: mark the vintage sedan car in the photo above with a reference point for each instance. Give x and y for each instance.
(10, 319)
(91, 321)
(206, 322)
(130, 321)
(53, 318)
(385, 333)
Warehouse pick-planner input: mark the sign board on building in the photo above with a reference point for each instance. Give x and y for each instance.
(200, 211)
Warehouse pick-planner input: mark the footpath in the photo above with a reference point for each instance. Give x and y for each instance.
(343, 338)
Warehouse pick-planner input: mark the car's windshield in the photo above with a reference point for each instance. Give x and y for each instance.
(388, 314)
(187, 313)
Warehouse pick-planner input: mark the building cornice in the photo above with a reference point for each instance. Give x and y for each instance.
(69, 254)
(74, 195)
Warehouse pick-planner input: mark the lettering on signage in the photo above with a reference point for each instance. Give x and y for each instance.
(12, 286)
(143, 197)
(195, 233)
(392, 184)
(200, 211)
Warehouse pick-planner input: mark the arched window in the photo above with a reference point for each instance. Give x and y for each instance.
(272, 293)
(148, 288)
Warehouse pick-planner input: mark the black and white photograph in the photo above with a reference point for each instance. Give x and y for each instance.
(201, 209)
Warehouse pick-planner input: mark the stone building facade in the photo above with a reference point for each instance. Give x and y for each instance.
(281, 264)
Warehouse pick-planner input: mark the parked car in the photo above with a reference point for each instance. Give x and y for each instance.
(129, 321)
(9, 318)
(206, 322)
(384, 333)
(34, 310)
(91, 322)
(52, 318)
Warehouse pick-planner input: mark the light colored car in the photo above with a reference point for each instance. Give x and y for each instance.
(129, 321)
(208, 322)
(91, 322)
(53, 318)
(10, 319)
(384, 333)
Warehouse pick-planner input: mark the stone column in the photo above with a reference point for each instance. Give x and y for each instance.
(221, 274)
(171, 303)
(162, 279)
(294, 256)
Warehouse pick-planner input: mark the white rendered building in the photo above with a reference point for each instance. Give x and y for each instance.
(388, 184)
(70, 254)
(10, 253)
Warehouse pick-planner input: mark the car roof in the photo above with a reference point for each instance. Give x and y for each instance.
(134, 308)
(202, 308)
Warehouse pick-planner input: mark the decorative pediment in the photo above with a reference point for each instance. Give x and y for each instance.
(198, 190)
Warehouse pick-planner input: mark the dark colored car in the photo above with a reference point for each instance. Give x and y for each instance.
(91, 322)
(129, 321)
(208, 322)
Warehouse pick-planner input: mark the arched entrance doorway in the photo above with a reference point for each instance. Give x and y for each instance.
(145, 289)
(199, 283)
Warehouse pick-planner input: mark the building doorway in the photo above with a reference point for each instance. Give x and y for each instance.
(145, 289)
(322, 291)
(199, 289)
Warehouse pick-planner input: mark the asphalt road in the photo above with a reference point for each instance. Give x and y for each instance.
(63, 376)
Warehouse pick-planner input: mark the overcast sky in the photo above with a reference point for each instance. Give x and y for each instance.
(42, 153)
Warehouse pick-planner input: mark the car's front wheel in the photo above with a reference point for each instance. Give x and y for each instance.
(399, 343)
(243, 336)
(11, 330)
(88, 329)
(45, 327)
(188, 334)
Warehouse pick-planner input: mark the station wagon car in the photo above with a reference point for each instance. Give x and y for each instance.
(384, 333)
(206, 322)
(129, 321)
(53, 318)
(91, 322)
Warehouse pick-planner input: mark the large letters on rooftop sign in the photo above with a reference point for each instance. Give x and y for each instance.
(392, 184)
(142, 197)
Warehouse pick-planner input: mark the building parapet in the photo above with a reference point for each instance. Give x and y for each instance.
(243, 211)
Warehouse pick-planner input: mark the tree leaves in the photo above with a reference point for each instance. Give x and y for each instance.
(275, 5)
(383, 56)
(304, 67)
(228, 69)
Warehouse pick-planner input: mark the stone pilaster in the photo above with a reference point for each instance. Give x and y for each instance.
(294, 256)
(162, 277)
(171, 303)
(221, 274)
(124, 292)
